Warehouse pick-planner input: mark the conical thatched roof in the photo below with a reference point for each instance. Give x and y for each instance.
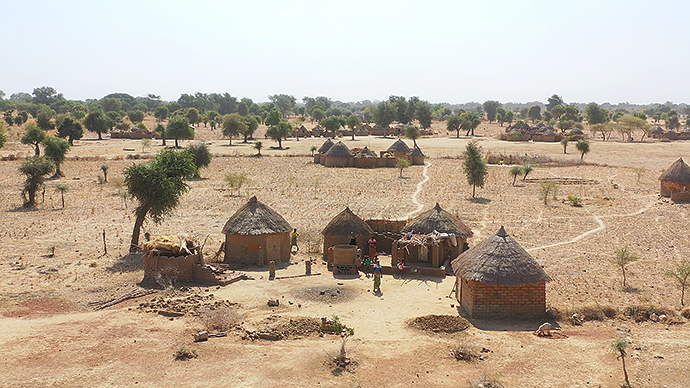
(339, 150)
(671, 132)
(366, 153)
(577, 131)
(549, 133)
(439, 220)
(325, 146)
(678, 172)
(346, 223)
(255, 218)
(657, 129)
(302, 128)
(417, 152)
(499, 260)
(398, 146)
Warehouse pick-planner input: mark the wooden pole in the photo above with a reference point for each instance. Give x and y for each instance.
(105, 247)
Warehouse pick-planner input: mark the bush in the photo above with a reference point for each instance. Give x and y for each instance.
(641, 313)
(223, 319)
(184, 353)
(201, 153)
(685, 313)
(575, 201)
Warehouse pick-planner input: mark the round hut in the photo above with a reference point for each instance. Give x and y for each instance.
(670, 135)
(417, 156)
(449, 238)
(343, 228)
(319, 156)
(256, 234)
(338, 156)
(675, 180)
(497, 278)
(366, 158)
(657, 132)
(398, 149)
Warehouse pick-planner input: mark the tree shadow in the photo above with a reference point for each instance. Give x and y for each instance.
(632, 290)
(23, 209)
(279, 148)
(130, 262)
(479, 200)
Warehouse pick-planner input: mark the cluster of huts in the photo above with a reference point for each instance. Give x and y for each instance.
(522, 131)
(360, 130)
(657, 132)
(338, 154)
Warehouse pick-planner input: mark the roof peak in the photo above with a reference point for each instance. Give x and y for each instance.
(502, 232)
(252, 199)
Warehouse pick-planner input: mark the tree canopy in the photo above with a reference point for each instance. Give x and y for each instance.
(36, 169)
(179, 129)
(474, 166)
(233, 125)
(384, 114)
(280, 131)
(97, 122)
(596, 114)
(34, 136)
(554, 101)
(331, 125)
(55, 149)
(491, 109)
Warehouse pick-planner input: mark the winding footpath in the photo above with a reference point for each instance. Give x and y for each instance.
(420, 185)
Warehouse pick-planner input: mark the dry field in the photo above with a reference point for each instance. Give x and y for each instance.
(50, 336)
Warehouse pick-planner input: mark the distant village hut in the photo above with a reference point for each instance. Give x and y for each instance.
(366, 158)
(671, 135)
(338, 156)
(399, 149)
(497, 278)
(256, 234)
(675, 181)
(319, 156)
(302, 131)
(685, 134)
(344, 228)
(433, 237)
(417, 156)
(657, 132)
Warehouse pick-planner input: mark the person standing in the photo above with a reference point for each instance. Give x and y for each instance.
(293, 242)
(372, 248)
(377, 277)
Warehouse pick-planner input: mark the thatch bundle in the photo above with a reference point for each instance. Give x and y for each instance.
(499, 260)
(438, 220)
(339, 150)
(678, 172)
(347, 224)
(325, 146)
(398, 146)
(170, 246)
(255, 218)
(365, 153)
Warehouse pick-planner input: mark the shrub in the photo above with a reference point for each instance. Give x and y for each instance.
(236, 180)
(575, 201)
(222, 319)
(641, 313)
(184, 353)
(685, 313)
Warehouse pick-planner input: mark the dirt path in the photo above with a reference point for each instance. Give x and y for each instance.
(420, 185)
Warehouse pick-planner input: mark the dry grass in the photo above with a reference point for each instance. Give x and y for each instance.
(222, 319)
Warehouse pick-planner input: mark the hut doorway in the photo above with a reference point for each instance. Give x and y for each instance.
(423, 254)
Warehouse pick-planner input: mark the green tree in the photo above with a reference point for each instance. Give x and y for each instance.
(45, 118)
(632, 124)
(534, 113)
(62, 188)
(273, 118)
(583, 147)
(46, 95)
(554, 101)
(55, 149)
(474, 165)
(564, 143)
(280, 132)
(402, 164)
(252, 125)
(317, 113)
(595, 114)
(70, 129)
(620, 345)
(160, 128)
(21, 118)
(104, 169)
(233, 125)
(96, 122)
(622, 258)
(330, 124)
(469, 121)
(353, 121)
(135, 116)
(501, 115)
(514, 172)
(423, 114)
(526, 168)
(202, 155)
(681, 276)
(158, 186)
(34, 136)
(491, 109)
(3, 135)
(453, 123)
(412, 133)
(9, 119)
(242, 109)
(193, 116)
(161, 113)
(36, 169)
(510, 116)
(179, 129)
(384, 114)
(259, 145)
(285, 102)
(546, 190)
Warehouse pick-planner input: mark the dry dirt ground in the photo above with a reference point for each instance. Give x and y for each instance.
(51, 337)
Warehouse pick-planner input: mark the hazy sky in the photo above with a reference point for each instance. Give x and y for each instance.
(453, 51)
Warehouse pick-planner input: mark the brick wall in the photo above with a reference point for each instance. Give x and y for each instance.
(496, 301)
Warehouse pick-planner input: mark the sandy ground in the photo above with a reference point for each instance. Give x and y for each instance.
(52, 338)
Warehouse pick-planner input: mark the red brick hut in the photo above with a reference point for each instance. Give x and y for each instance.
(417, 156)
(497, 278)
(399, 149)
(338, 156)
(343, 228)
(446, 237)
(319, 156)
(366, 158)
(675, 181)
(256, 234)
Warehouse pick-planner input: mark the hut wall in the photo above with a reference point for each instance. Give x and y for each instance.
(322, 159)
(669, 189)
(331, 240)
(317, 158)
(382, 230)
(183, 264)
(680, 196)
(664, 191)
(257, 250)
(366, 162)
(332, 161)
(417, 160)
(497, 301)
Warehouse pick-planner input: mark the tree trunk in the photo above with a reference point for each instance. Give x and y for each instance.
(582, 157)
(280, 144)
(623, 268)
(176, 146)
(625, 371)
(682, 296)
(62, 195)
(163, 136)
(514, 179)
(474, 188)
(32, 198)
(37, 151)
(99, 136)
(141, 215)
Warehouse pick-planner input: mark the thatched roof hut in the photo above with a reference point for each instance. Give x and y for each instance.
(366, 153)
(366, 158)
(345, 226)
(670, 135)
(338, 156)
(676, 178)
(399, 148)
(417, 156)
(256, 234)
(498, 278)
(438, 220)
(325, 146)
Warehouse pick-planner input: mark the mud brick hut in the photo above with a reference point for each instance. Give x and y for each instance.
(338, 156)
(398, 149)
(497, 278)
(657, 132)
(319, 157)
(417, 156)
(366, 158)
(432, 238)
(671, 135)
(256, 234)
(345, 227)
(675, 181)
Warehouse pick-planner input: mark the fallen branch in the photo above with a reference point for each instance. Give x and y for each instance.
(101, 304)
(297, 276)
